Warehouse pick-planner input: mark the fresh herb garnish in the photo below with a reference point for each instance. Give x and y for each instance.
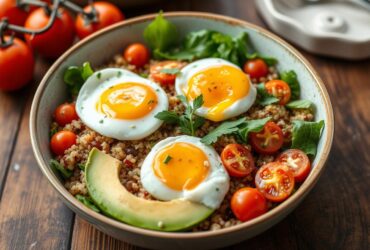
(75, 77)
(167, 159)
(66, 173)
(98, 75)
(173, 71)
(53, 131)
(263, 97)
(144, 75)
(224, 129)
(151, 102)
(290, 77)
(81, 166)
(306, 135)
(101, 121)
(299, 104)
(189, 122)
(88, 202)
(252, 126)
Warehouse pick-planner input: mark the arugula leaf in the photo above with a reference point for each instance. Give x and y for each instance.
(290, 77)
(66, 173)
(306, 135)
(174, 71)
(160, 34)
(263, 97)
(252, 126)
(299, 104)
(88, 202)
(75, 77)
(224, 129)
(169, 117)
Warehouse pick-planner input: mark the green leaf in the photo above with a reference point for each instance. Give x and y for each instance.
(169, 117)
(174, 71)
(198, 122)
(86, 71)
(88, 202)
(306, 135)
(81, 166)
(198, 102)
(160, 34)
(66, 173)
(183, 99)
(299, 104)
(252, 126)
(290, 77)
(75, 77)
(224, 129)
(263, 97)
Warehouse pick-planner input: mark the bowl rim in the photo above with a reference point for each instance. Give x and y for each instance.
(88, 213)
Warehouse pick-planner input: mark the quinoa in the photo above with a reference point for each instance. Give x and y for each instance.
(131, 154)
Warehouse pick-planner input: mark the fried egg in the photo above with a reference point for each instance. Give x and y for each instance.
(120, 104)
(227, 91)
(183, 167)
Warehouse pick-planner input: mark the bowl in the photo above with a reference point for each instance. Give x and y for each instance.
(101, 47)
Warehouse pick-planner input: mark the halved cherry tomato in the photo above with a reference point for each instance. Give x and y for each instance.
(248, 203)
(137, 54)
(298, 161)
(164, 78)
(237, 160)
(275, 181)
(269, 140)
(256, 68)
(108, 14)
(62, 141)
(279, 89)
(65, 113)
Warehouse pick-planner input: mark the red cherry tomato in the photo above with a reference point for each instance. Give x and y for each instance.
(14, 14)
(108, 14)
(137, 54)
(16, 65)
(237, 160)
(57, 39)
(269, 140)
(275, 181)
(165, 78)
(65, 113)
(248, 203)
(61, 141)
(298, 161)
(279, 89)
(256, 68)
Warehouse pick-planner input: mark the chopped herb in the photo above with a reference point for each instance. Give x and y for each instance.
(98, 75)
(174, 71)
(263, 97)
(251, 126)
(53, 131)
(299, 104)
(119, 73)
(224, 129)
(217, 189)
(66, 173)
(306, 135)
(167, 160)
(101, 121)
(151, 102)
(133, 126)
(88, 202)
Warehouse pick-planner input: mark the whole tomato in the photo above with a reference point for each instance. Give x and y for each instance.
(14, 14)
(16, 65)
(108, 14)
(52, 43)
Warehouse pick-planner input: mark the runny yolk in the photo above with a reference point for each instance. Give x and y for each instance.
(181, 166)
(127, 101)
(221, 86)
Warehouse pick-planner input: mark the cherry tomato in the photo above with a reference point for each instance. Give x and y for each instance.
(14, 14)
(298, 161)
(238, 160)
(248, 203)
(137, 54)
(61, 141)
(16, 65)
(57, 39)
(163, 78)
(269, 140)
(256, 68)
(65, 113)
(275, 181)
(279, 89)
(108, 14)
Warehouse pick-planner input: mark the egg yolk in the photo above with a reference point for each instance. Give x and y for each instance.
(127, 101)
(181, 166)
(221, 86)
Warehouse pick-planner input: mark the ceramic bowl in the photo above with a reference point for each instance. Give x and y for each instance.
(100, 48)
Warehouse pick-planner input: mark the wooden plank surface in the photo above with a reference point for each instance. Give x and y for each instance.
(335, 215)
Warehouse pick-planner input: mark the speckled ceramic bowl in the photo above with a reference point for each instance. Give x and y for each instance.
(99, 48)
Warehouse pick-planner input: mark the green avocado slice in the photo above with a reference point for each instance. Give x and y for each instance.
(107, 192)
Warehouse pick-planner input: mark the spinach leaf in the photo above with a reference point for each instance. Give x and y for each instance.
(252, 126)
(75, 77)
(290, 77)
(263, 97)
(66, 173)
(306, 135)
(224, 129)
(299, 104)
(88, 202)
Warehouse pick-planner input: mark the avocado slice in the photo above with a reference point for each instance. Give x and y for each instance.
(107, 192)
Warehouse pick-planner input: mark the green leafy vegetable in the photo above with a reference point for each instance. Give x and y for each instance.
(169, 117)
(88, 202)
(174, 71)
(252, 126)
(53, 131)
(290, 77)
(160, 34)
(263, 97)
(167, 160)
(306, 135)
(299, 104)
(66, 173)
(270, 61)
(75, 77)
(224, 129)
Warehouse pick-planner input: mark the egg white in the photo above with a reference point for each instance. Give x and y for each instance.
(238, 107)
(130, 129)
(210, 192)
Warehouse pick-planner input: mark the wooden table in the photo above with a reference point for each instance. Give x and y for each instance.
(335, 215)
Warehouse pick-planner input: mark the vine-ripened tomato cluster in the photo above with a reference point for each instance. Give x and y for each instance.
(47, 28)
